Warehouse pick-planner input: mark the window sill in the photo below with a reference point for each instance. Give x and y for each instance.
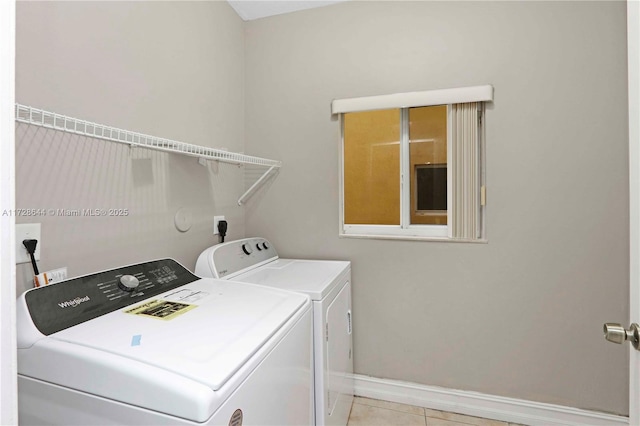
(413, 238)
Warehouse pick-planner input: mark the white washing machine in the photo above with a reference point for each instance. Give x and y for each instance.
(152, 344)
(328, 283)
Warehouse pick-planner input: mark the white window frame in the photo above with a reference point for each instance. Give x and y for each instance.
(404, 101)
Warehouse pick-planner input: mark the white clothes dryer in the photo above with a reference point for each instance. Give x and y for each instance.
(152, 344)
(328, 283)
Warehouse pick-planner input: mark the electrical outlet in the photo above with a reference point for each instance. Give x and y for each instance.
(216, 220)
(27, 231)
(57, 275)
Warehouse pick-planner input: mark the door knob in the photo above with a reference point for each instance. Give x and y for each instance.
(618, 334)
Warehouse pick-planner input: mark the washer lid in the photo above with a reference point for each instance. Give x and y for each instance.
(313, 277)
(206, 330)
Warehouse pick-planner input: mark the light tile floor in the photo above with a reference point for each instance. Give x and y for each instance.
(374, 412)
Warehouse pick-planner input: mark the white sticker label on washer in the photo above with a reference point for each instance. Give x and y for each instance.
(186, 295)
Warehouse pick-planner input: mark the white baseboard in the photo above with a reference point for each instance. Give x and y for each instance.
(482, 405)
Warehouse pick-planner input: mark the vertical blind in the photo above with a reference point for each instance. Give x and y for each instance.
(465, 171)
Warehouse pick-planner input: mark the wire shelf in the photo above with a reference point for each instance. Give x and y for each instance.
(51, 120)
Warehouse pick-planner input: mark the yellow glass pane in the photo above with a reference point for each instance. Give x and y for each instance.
(428, 164)
(372, 167)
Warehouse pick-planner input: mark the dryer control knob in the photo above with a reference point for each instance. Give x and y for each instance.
(265, 245)
(128, 282)
(246, 248)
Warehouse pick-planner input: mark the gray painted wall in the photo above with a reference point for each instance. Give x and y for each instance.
(169, 69)
(522, 315)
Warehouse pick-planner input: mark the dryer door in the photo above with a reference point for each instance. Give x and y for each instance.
(339, 358)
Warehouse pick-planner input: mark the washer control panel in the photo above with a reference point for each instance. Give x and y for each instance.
(236, 256)
(63, 305)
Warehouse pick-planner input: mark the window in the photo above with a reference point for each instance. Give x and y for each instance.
(412, 164)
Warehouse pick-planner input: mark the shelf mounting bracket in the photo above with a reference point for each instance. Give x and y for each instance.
(256, 184)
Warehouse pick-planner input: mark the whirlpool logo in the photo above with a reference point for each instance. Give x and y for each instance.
(74, 302)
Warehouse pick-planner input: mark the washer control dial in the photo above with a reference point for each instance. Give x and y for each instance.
(246, 248)
(265, 245)
(128, 283)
